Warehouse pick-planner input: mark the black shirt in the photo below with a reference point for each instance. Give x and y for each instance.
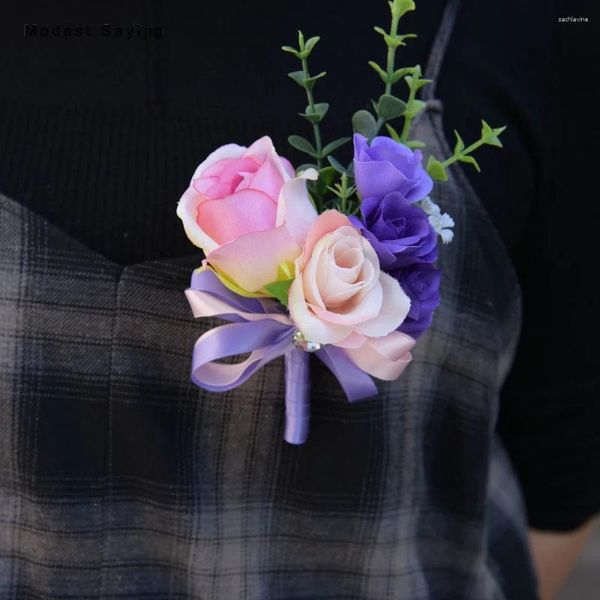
(101, 133)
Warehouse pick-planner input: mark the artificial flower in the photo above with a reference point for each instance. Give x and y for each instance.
(340, 295)
(386, 166)
(245, 207)
(421, 283)
(399, 231)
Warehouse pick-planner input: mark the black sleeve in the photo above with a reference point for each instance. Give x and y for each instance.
(550, 418)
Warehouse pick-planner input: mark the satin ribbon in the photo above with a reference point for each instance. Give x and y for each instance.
(263, 328)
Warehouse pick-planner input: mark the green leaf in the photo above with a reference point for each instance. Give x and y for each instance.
(414, 108)
(300, 40)
(470, 160)
(302, 144)
(310, 44)
(460, 145)
(338, 166)
(315, 113)
(486, 130)
(436, 169)
(414, 144)
(298, 77)
(490, 135)
(306, 82)
(394, 41)
(379, 71)
(415, 82)
(390, 107)
(400, 73)
(364, 123)
(291, 50)
(309, 82)
(280, 290)
(334, 146)
(327, 176)
(393, 133)
(401, 7)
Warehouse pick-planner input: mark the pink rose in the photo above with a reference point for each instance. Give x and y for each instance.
(248, 212)
(340, 295)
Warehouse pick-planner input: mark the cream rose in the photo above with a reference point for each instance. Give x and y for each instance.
(340, 295)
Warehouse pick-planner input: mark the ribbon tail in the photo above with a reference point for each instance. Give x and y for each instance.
(265, 340)
(356, 383)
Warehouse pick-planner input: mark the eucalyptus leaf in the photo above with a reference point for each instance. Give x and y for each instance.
(316, 112)
(309, 82)
(470, 160)
(298, 76)
(401, 7)
(460, 145)
(414, 108)
(364, 123)
(390, 107)
(415, 144)
(311, 118)
(291, 50)
(334, 145)
(302, 144)
(436, 169)
(393, 133)
(310, 44)
(490, 135)
(400, 73)
(338, 166)
(379, 70)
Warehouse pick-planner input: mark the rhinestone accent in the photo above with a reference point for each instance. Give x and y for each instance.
(303, 344)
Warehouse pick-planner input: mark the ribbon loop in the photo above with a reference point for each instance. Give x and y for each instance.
(262, 328)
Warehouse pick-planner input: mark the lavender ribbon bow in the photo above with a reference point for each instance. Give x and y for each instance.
(263, 328)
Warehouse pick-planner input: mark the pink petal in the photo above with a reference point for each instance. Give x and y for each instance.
(309, 324)
(359, 309)
(187, 210)
(394, 308)
(326, 222)
(384, 357)
(251, 260)
(228, 218)
(295, 209)
(266, 178)
(262, 149)
(226, 151)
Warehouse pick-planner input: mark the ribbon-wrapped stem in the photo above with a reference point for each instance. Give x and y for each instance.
(297, 396)
(263, 328)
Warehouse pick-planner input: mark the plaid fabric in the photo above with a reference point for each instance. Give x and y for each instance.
(120, 479)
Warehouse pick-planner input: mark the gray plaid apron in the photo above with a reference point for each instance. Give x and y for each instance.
(120, 479)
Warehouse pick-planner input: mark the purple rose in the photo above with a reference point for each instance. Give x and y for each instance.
(421, 283)
(400, 232)
(387, 166)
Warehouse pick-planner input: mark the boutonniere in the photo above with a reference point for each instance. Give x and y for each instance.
(324, 258)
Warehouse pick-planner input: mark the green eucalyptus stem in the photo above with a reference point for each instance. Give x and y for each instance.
(391, 52)
(343, 192)
(408, 117)
(390, 63)
(311, 103)
(465, 152)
